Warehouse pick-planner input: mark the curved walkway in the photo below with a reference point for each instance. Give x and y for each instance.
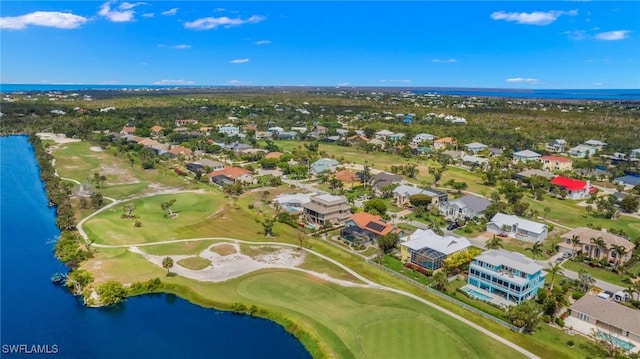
(370, 284)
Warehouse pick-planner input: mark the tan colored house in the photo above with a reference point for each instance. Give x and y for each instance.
(327, 209)
(592, 250)
(347, 177)
(156, 130)
(443, 143)
(556, 163)
(128, 130)
(181, 150)
(229, 175)
(608, 316)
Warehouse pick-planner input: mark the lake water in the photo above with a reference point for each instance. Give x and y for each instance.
(36, 312)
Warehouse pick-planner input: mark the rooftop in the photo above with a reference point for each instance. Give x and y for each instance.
(609, 312)
(569, 183)
(426, 238)
(555, 158)
(518, 261)
(501, 220)
(372, 223)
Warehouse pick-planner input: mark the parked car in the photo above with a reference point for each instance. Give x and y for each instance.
(566, 255)
(452, 226)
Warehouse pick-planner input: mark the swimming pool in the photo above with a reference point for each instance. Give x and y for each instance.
(477, 295)
(616, 341)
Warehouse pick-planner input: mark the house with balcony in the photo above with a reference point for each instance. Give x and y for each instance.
(465, 207)
(427, 249)
(556, 163)
(588, 247)
(509, 275)
(517, 228)
(326, 210)
(558, 145)
(365, 227)
(525, 156)
(402, 194)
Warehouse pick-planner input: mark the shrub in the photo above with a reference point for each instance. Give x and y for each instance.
(577, 295)
(138, 224)
(546, 318)
(560, 322)
(570, 343)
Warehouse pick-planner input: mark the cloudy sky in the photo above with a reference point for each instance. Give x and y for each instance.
(543, 44)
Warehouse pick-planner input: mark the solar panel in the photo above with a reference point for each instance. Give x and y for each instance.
(375, 226)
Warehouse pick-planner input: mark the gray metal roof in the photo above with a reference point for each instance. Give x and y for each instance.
(497, 257)
(609, 312)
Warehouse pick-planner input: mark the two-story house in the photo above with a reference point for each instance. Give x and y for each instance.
(402, 194)
(509, 275)
(365, 227)
(465, 207)
(517, 228)
(327, 209)
(558, 145)
(556, 163)
(587, 242)
(526, 155)
(422, 138)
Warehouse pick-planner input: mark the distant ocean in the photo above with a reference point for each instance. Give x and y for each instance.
(564, 94)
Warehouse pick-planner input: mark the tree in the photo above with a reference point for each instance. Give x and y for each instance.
(459, 186)
(97, 200)
(621, 251)
(166, 206)
(300, 235)
(128, 210)
(554, 269)
(335, 183)
(267, 226)
(376, 207)
(78, 279)
(630, 204)
(599, 244)
(525, 314)
(575, 240)
(546, 211)
(494, 243)
(585, 279)
(111, 293)
(388, 242)
(440, 281)
(536, 250)
(167, 263)
(420, 200)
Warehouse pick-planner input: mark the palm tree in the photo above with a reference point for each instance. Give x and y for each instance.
(536, 250)
(631, 290)
(494, 243)
(440, 281)
(554, 269)
(602, 247)
(167, 263)
(585, 279)
(621, 251)
(595, 242)
(575, 240)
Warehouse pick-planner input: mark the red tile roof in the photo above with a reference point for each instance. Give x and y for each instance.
(346, 176)
(555, 158)
(157, 128)
(275, 155)
(372, 223)
(569, 183)
(176, 150)
(128, 129)
(230, 172)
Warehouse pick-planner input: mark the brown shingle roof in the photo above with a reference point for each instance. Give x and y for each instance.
(585, 234)
(176, 150)
(609, 312)
(346, 176)
(230, 172)
(275, 155)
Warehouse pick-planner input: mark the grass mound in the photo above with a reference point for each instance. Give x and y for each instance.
(224, 249)
(194, 263)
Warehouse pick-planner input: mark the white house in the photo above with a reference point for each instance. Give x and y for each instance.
(517, 228)
(582, 151)
(383, 134)
(425, 137)
(475, 147)
(229, 130)
(557, 145)
(468, 206)
(428, 249)
(526, 155)
(635, 153)
(595, 143)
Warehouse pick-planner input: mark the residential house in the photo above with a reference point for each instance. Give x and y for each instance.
(156, 131)
(402, 193)
(260, 135)
(383, 179)
(444, 143)
(383, 135)
(327, 210)
(287, 135)
(293, 203)
(185, 122)
(598, 145)
(635, 153)
(495, 152)
(324, 164)
(214, 165)
(250, 127)
(628, 181)
(300, 129)
(181, 150)
(348, 178)
(128, 130)
(396, 137)
(428, 250)
(364, 227)
(377, 143)
(475, 147)
(455, 155)
(588, 248)
(465, 207)
(510, 275)
(517, 228)
(558, 145)
(148, 142)
(205, 130)
(474, 161)
(274, 130)
(229, 175)
(238, 147)
(576, 189)
(357, 140)
(229, 130)
(617, 320)
(342, 132)
(525, 156)
(556, 163)
(195, 167)
(582, 151)
(525, 175)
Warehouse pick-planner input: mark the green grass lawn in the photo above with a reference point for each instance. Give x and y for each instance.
(317, 264)
(194, 263)
(193, 220)
(397, 266)
(598, 273)
(181, 248)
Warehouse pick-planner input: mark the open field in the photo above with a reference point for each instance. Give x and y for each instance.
(192, 221)
(181, 248)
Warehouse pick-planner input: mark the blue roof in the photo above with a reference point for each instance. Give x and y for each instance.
(630, 180)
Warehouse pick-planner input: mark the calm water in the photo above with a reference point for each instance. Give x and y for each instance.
(36, 312)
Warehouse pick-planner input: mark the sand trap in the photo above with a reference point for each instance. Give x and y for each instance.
(96, 148)
(57, 137)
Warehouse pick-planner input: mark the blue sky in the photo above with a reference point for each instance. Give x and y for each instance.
(548, 44)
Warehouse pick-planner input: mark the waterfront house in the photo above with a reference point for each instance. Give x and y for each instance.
(525, 156)
(622, 322)
(324, 164)
(510, 275)
(518, 228)
(327, 210)
(576, 189)
(589, 248)
(465, 207)
(475, 147)
(403, 193)
(229, 175)
(364, 227)
(427, 249)
(556, 163)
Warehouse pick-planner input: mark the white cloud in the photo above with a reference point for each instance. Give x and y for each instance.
(532, 18)
(170, 12)
(397, 81)
(125, 12)
(447, 61)
(181, 47)
(262, 42)
(149, 14)
(60, 20)
(519, 80)
(239, 61)
(174, 82)
(238, 82)
(576, 34)
(207, 23)
(598, 84)
(613, 35)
